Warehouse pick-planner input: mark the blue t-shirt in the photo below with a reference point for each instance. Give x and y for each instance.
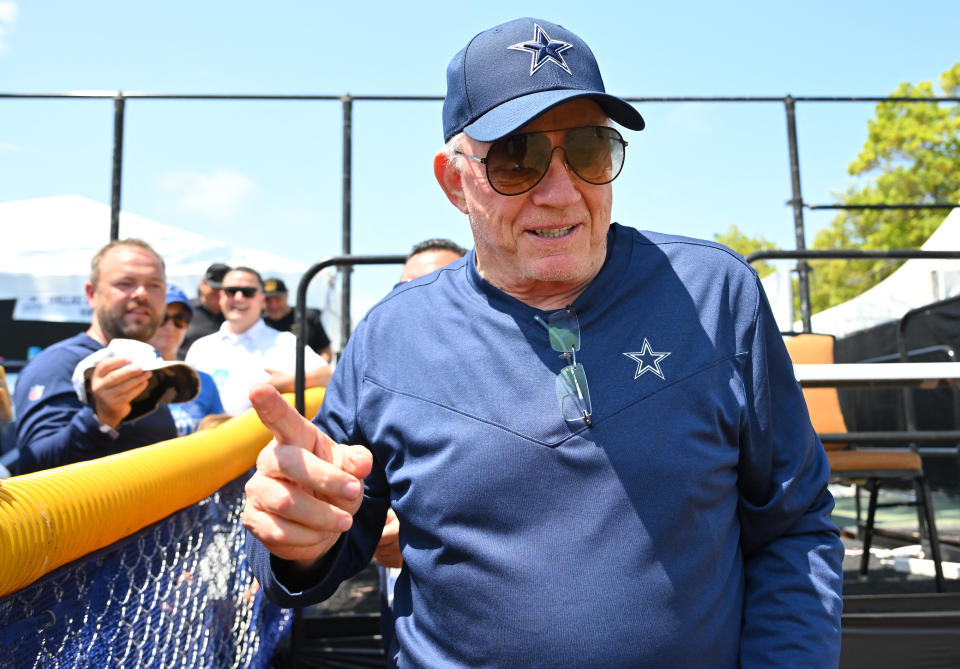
(187, 415)
(55, 428)
(688, 527)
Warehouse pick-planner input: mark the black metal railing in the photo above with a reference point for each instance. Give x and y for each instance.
(844, 254)
(347, 101)
(300, 313)
(911, 435)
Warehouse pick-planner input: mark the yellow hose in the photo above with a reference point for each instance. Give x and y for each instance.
(52, 517)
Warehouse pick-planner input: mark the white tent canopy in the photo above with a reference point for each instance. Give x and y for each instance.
(47, 245)
(916, 283)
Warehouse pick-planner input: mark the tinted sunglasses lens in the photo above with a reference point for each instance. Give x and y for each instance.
(595, 154)
(246, 291)
(564, 331)
(573, 393)
(516, 163)
(179, 320)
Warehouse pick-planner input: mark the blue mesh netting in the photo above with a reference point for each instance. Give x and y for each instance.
(177, 594)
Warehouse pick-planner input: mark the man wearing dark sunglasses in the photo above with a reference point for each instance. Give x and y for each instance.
(246, 351)
(167, 340)
(591, 436)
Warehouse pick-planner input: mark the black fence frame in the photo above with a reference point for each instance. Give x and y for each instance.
(911, 435)
(789, 102)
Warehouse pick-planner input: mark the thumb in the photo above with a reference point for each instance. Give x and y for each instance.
(289, 428)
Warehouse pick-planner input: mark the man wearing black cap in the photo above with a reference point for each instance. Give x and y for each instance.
(591, 436)
(207, 316)
(278, 314)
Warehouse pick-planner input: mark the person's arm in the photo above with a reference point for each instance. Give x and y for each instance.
(301, 579)
(300, 501)
(792, 549)
(317, 336)
(318, 373)
(284, 383)
(58, 430)
(388, 548)
(55, 428)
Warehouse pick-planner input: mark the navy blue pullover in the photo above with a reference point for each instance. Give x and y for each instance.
(689, 527)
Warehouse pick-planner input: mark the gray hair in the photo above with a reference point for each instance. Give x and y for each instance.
(452, 150)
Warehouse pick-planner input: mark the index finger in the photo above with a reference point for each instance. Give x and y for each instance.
(287, 425)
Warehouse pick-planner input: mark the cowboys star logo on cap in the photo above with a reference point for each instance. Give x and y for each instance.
(543, 50)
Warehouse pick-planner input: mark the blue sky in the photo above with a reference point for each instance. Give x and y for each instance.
(267, 174)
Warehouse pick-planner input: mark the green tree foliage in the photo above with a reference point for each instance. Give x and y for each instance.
(743, 244)
(911, 155)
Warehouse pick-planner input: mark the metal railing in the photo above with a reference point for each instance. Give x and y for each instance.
(844, 254)
(911, 435)
(789, 103)
(300, 312)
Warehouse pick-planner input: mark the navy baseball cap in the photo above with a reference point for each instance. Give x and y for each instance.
(510, 74)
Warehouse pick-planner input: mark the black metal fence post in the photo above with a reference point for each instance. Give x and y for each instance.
(119, 103)
(803, 268)
(346, 270)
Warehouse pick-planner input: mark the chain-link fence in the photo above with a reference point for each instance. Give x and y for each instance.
(179, 593)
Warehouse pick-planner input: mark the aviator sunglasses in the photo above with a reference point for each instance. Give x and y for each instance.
(517, 163)
(246, 291)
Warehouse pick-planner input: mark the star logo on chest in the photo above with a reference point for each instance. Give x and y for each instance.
(648, 360)
(543, 50)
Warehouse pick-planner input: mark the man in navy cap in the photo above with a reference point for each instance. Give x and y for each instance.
(591, 436)
(188, 416)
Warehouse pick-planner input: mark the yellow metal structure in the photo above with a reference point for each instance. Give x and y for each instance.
(52, 517)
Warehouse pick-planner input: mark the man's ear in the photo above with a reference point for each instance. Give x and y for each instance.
(88, 291)
(450, 179)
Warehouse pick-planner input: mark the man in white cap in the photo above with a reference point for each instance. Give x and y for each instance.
(591, 436)
(127, 292)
